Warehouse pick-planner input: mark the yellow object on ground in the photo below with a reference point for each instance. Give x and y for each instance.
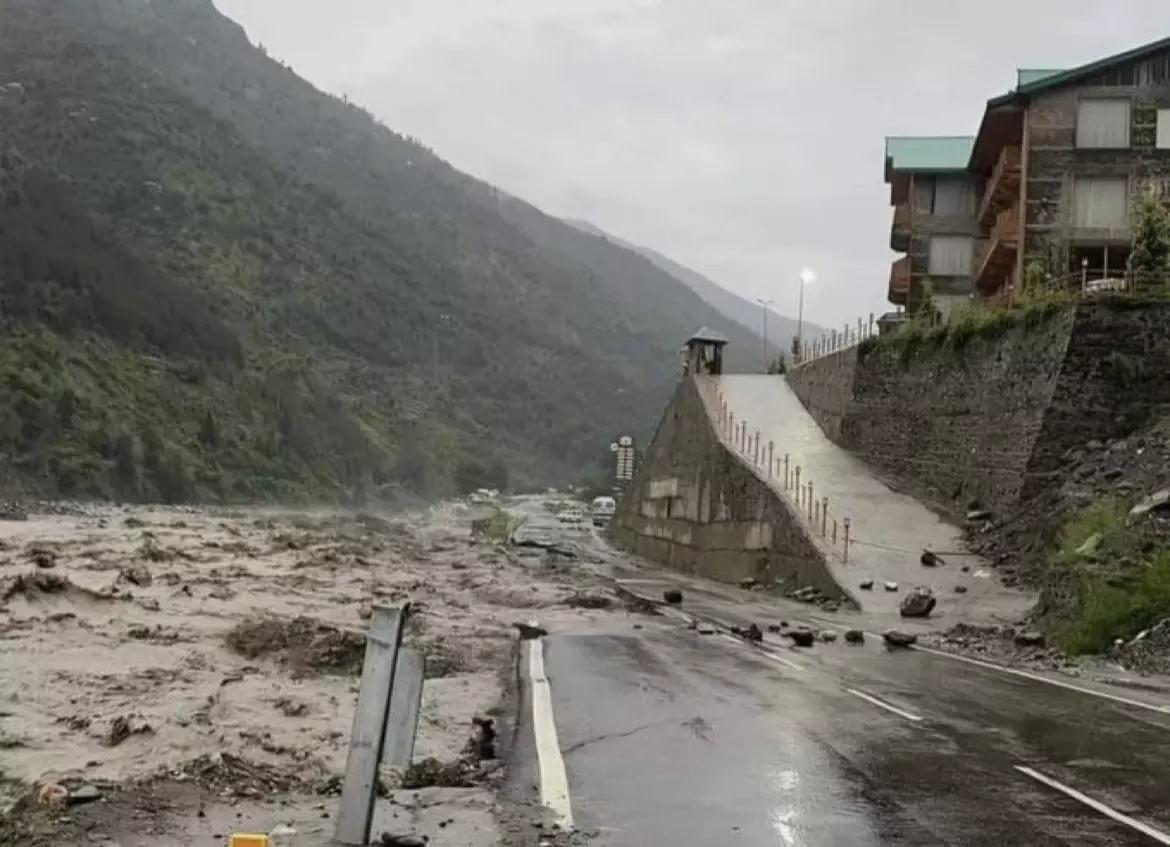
(242, 840)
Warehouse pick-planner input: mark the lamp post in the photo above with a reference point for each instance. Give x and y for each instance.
(807, 277)
(765, 304)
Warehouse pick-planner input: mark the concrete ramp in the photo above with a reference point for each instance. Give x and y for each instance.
(888, 531)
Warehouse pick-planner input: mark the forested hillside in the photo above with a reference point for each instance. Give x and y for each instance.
(218, 282)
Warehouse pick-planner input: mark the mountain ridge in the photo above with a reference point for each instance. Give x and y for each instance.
(359, 314)
(745, 313)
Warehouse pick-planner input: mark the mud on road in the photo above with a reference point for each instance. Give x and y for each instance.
(196, 670)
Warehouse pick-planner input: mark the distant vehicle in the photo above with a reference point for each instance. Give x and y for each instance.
(1096, 286)
(571, 515)
(603, 509)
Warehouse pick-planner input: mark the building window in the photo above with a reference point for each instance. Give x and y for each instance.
(951, 255)
(1101, 202)
(1103, 124)
(943, 196)
(1162, 139)
(953, 197)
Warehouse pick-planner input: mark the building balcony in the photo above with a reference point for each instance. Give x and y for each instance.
(900, 230)
(997, 258)
(899, 290)
(1002, 189)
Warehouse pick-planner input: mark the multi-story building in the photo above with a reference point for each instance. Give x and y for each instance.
(935, 201)
(1057, 166)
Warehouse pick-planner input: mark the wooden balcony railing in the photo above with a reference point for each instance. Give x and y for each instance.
(998, 256)
(899, 290)
(900, 229)
(1001, 189)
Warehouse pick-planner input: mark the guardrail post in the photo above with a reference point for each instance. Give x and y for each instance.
(824, 515)
(834, 532)
(810, 500)
(756, 451)
(771, 447)
(786, 479)
(845, 553)
(743, 435)
(870, 325)
(731, 425)
(796, 484)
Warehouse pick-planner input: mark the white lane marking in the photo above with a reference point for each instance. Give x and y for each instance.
(767, 654)
(554, 782)
(1059, 683)
(1097, 805)
(882, 704)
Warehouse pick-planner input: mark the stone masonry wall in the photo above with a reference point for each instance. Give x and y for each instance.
(695, 507)
(993, 421)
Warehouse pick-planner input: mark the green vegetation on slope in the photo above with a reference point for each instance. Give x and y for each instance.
(219, 282)
(1120, 577)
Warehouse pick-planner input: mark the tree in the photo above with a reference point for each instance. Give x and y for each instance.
(796, 348)
(1150, 256)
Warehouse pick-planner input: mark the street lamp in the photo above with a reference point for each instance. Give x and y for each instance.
(764, 348)
(807, 277)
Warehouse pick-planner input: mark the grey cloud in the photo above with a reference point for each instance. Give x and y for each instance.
(743, 138)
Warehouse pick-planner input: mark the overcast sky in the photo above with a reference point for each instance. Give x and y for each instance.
(743, 138)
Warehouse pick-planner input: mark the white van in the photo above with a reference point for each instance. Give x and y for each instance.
(603, 509)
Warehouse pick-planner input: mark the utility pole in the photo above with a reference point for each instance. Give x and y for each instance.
(764, 341)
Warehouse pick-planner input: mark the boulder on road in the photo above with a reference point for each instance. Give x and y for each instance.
(1029, 638)
(751, 632)
(672, 596)
(896, 638)
(828, 635)
(930, 559)
(866, 585)
(854, 636)
(919, 603)
(891, 586)
(802, 637)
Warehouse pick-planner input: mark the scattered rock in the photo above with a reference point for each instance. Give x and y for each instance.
(1029, 638)
(388, 840)
(978, 515)
(866, 585)
(674, 596)
(896, 638)
(802, 637)
(919, 603)
(1156, 502)
(84, 794)
(42, 558)
(828, 636)
(531, 630)
(13, 512)
(751, 632)
(705, 629)
(960, 589)
(931, 559)
(585, 600)
(52, 795)
(124, 726)
(483, 739)
(136, 575)
(854, 636)
(774, 627)
(747, 583)
(890, 586)
(1090, 545)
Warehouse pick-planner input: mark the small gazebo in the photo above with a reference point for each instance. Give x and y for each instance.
(703, 353)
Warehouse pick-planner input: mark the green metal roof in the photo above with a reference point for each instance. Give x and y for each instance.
(1029, 76)
(929, 152)
(1066, 77)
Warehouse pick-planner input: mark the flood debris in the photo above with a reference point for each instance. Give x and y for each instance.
(750, 632)
(930, 559)
(301, 643)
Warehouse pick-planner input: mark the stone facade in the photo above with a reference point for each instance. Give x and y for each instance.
(946, 291)
(696, 507)
(993, 421)
(1053, 161)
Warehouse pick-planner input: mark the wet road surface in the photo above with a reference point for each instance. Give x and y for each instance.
(889, 529)
(669, 737)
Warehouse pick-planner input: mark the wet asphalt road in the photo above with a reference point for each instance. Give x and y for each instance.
(669, 737)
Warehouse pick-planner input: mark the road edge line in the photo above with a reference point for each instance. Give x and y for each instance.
(1096, 805)
(1059, 683)
(554, 780)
